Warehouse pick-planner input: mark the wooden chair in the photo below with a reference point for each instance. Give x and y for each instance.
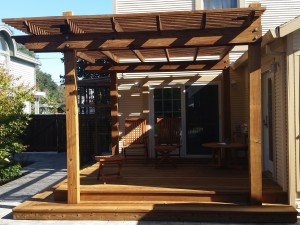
(111, 160)
(135, 138)
(168, 133)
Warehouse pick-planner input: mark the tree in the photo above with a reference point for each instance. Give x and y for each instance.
(13, 121)
(54, 98)
(22, 48)
(82, 74)
(54, 95)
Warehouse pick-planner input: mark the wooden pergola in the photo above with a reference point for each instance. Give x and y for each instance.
(151, 42)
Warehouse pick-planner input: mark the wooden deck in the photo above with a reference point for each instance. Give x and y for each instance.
(193, 191)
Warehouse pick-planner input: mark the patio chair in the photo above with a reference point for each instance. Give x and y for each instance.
(167, 142)
(109, 160)
(135, 138)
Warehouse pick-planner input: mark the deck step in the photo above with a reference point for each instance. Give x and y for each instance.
(157, 212)
(125, 194)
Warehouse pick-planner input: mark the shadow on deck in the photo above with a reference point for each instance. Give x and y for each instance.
(193, 191)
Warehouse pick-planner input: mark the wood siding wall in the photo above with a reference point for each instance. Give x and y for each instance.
(130, 6)
(296, 40)
(130, 104)
(239, 110)
(296, 57)
(278, 12)
(24, 70)
(280, 123)
(238, 94)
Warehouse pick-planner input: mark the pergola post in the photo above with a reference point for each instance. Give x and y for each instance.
(255, 154)
(226, 108)
(114, 113)
(72, 128)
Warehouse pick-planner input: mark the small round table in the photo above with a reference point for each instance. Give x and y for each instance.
(219, 147)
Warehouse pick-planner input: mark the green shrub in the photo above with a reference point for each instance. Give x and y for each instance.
(9, 172)
(13, 121)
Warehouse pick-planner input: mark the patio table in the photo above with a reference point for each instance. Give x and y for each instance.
(219, 147)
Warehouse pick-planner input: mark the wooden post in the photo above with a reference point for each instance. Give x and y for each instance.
(254, 127)
(72, 128)
(114, 113)
(226, 117)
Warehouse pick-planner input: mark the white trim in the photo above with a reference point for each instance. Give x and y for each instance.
(183, 115)
(13, 50)
(291, 121)
(183, 121)
(198, 4)
(297, 119)
(284, 119)
(241, 4)
(289, 27)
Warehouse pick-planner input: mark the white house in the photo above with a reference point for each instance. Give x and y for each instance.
(18, 64)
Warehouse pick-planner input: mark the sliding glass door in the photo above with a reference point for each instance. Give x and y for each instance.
(202, 117)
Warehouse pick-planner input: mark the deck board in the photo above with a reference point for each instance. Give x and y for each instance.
(191, 191)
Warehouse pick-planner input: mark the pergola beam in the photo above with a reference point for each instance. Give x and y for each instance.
(72, 128)
(255, 126)
(111, 56)
(142, 40)
(158, 66)
(73, 27)
(196, 54)
(167, 54)
(115, 25)
(139, 55)
(86, 57)
(114, 113)
(32, 28)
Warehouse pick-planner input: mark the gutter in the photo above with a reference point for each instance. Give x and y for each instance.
(27, 58)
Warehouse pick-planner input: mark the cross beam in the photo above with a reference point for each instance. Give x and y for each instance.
(158, 66)
(142, 40)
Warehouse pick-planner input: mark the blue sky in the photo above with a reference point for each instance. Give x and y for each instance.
(51, 62)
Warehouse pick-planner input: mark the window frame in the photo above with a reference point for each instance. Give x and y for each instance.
(199, 5)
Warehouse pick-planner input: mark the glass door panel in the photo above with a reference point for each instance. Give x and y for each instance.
(202, 118)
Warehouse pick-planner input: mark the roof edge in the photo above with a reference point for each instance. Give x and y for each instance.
(289, 27)
(27, 58)
(13, 47)
(266, 39)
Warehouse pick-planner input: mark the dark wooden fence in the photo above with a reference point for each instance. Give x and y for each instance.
(48, 133)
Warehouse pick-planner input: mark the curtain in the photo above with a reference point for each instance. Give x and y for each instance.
(219, 4)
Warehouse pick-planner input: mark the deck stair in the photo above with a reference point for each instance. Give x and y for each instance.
(191, 192)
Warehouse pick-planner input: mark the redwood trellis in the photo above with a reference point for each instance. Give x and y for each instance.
(152, 41)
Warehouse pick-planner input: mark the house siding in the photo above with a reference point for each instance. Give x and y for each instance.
(296, 64)
(24, 70)
(296, 40)
(280, 124)
(277, 12)
(129, 6)
(238, 95)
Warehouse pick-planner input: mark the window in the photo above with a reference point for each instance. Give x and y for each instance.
(167, 103)
(219, 4)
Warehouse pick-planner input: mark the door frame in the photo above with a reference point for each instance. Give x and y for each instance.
(183, 115)
(267, 164)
